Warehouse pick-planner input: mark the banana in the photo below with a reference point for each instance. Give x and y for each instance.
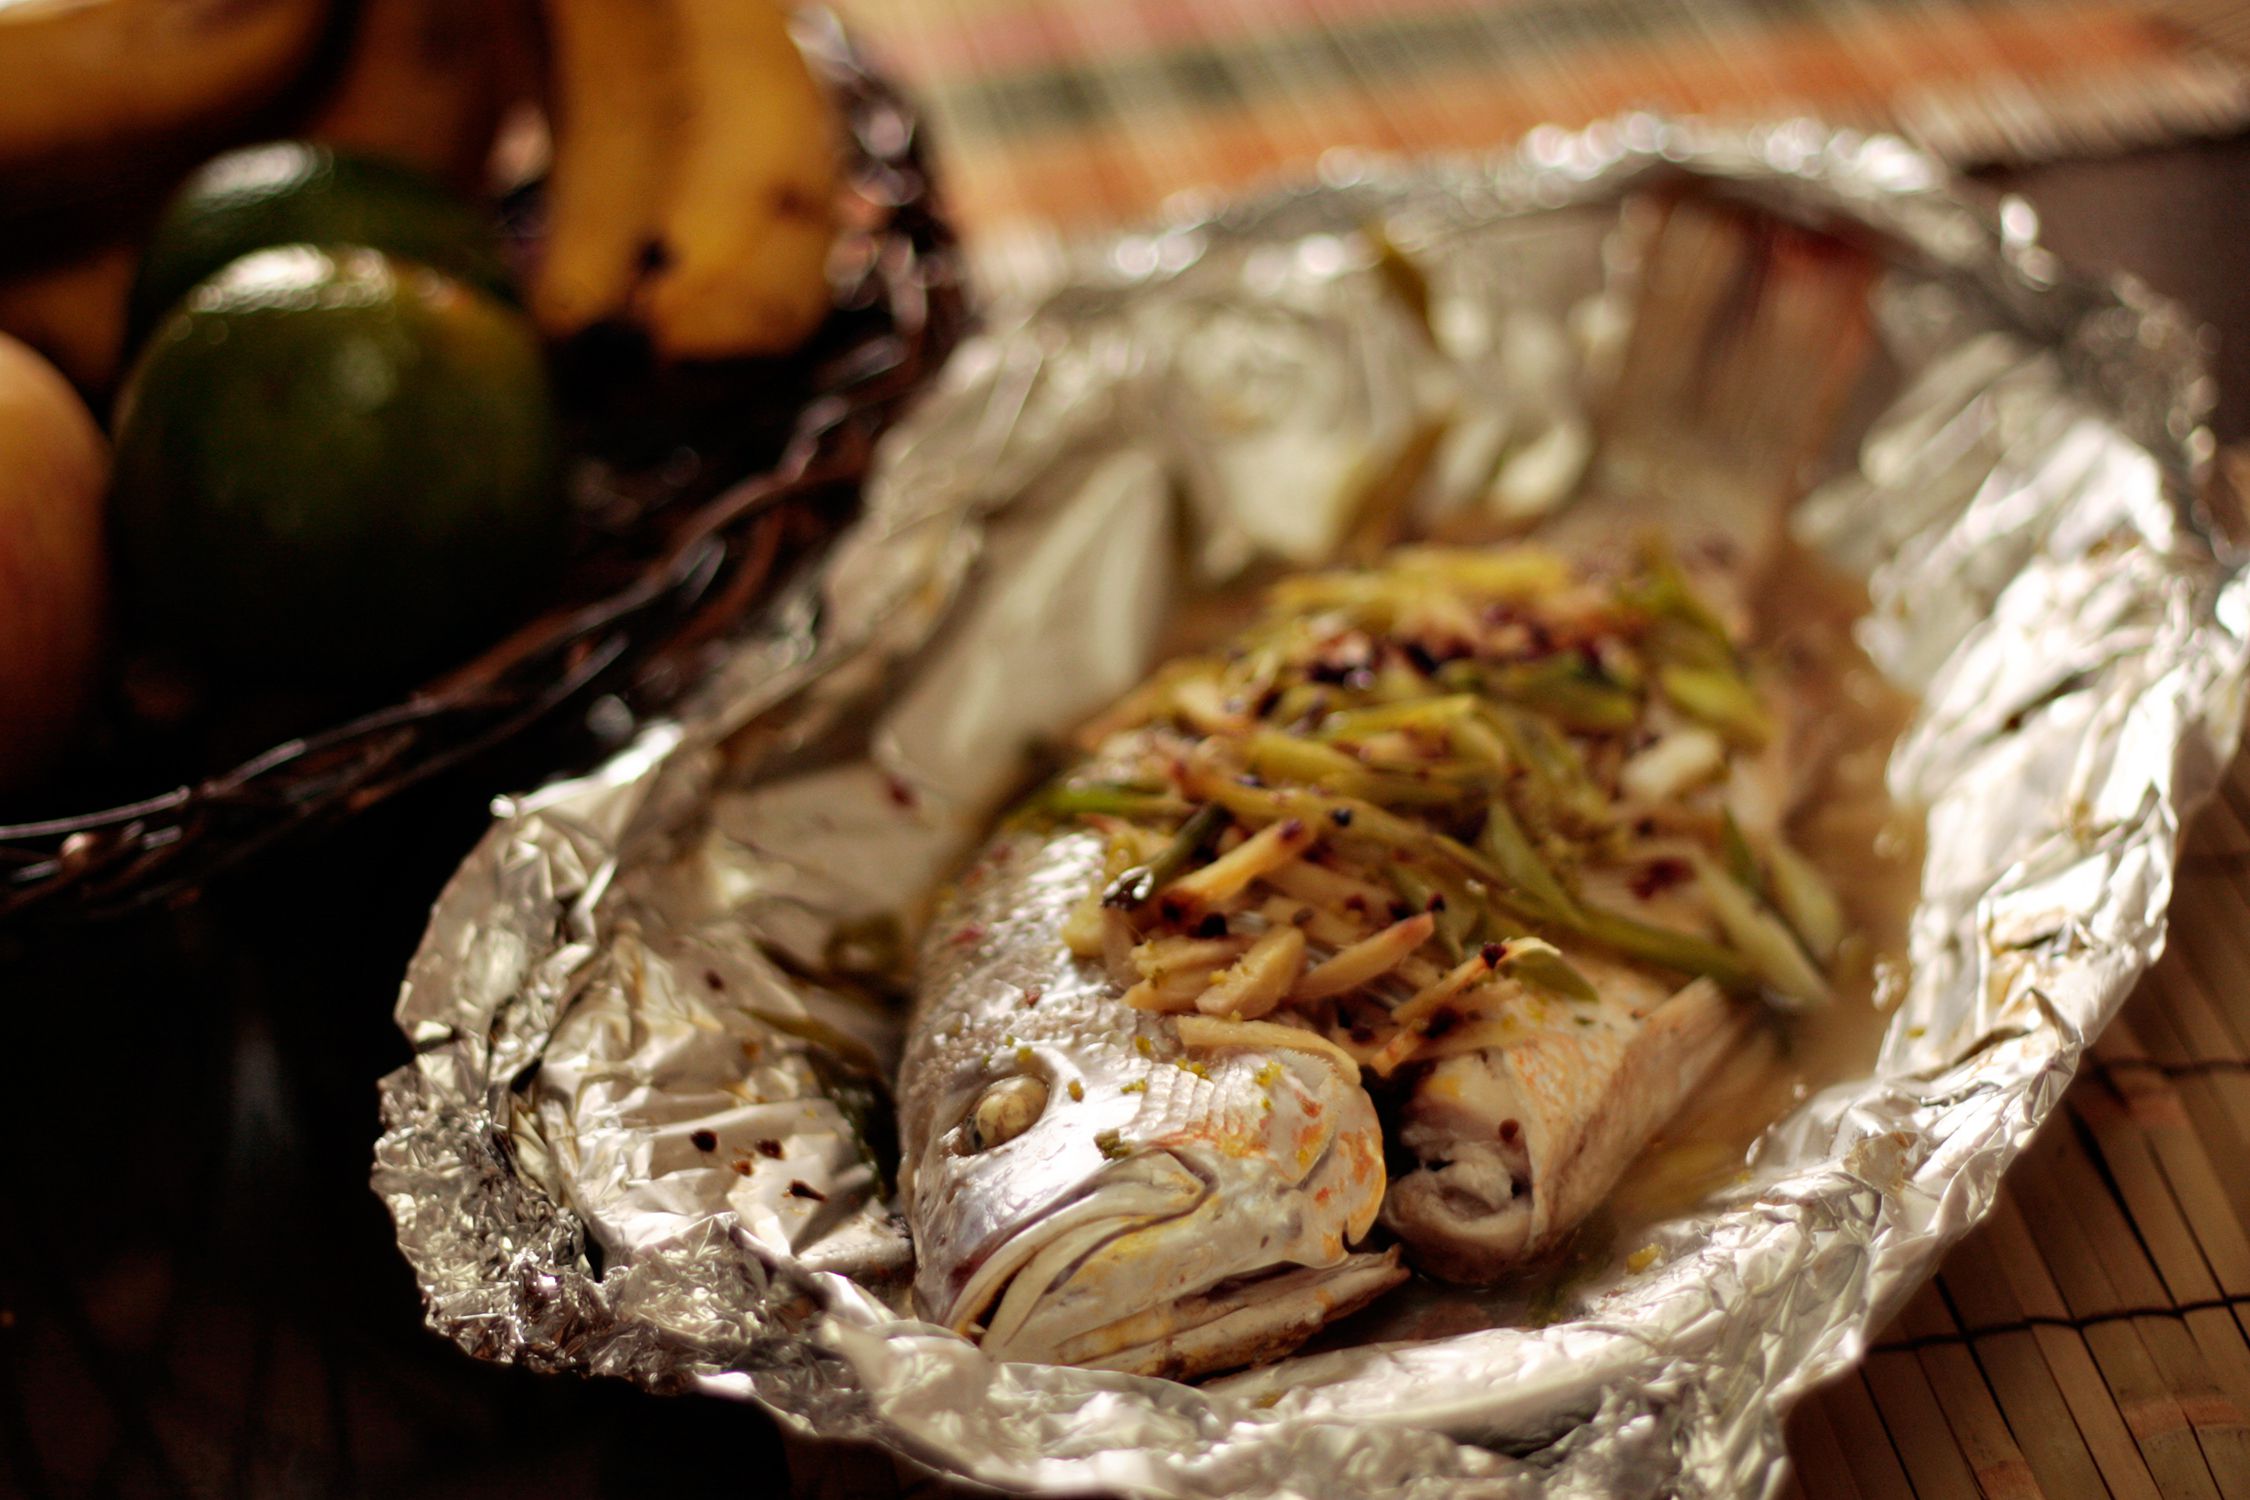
(694, 179)
(421, 84)
(746, 226)
(617, 109)
(54, 474)
(72, 310)
(92, 84)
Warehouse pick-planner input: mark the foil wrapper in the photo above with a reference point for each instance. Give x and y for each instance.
(640, 1138)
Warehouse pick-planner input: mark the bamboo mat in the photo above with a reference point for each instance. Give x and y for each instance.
(1078, 112)
(2093, 1337)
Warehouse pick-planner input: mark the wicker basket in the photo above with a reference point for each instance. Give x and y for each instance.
(672, 560)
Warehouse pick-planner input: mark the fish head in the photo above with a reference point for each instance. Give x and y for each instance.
(1114, 1201)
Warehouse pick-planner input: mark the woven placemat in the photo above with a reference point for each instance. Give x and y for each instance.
(1078, 112)
(2089, 1339)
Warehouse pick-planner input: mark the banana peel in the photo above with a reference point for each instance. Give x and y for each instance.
(72, 310)
(91, 89)
(745, 231)
(423, 82)
(617, 106)
(695, 177)
(54, 473)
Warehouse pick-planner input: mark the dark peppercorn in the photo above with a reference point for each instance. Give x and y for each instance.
(1660, 875)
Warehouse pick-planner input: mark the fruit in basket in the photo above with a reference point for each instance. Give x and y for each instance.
(72, 310)
(288, 192)
(694, 183)
(330, 459)
(53, 470)
(93, 88)
(422, 84)
(745, 230)
(615, 111)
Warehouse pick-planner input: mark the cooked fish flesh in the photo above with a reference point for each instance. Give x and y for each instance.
(1481, 845)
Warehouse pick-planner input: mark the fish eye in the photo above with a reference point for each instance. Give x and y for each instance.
(1005, 1110)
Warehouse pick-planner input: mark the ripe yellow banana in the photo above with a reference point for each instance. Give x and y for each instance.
(694, 180)
(87, 81)
(615, 103)
(746, 227)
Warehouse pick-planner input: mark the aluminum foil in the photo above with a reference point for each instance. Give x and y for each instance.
(640, 1138)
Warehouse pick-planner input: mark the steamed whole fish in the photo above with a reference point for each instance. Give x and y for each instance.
(1423, 904)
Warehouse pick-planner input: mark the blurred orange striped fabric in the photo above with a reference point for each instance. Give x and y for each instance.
(1077, 112)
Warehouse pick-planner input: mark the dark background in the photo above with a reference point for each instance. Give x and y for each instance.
(198, 1294)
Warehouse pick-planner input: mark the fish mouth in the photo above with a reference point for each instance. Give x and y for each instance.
(1467, 1214)
(1515, 1146)
(1148, 1289)
(1468, 1207)
(1239, 1321)
(1153, 1187)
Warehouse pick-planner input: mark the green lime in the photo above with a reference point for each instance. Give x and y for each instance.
(330, 458)
(301, 192)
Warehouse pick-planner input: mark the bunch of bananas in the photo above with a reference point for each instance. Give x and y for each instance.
(693, 173)
(691, 184)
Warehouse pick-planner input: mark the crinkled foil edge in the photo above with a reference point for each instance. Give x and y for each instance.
(1772, 1291)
